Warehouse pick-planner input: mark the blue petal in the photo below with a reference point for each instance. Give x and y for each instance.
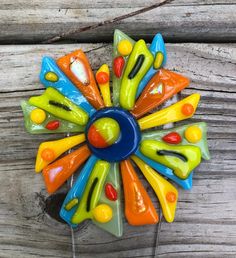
(165, 171)
(77, 190)
(64, 85)
(157, 45)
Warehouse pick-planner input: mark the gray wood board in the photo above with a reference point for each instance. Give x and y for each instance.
(179, 20)
(205, 223)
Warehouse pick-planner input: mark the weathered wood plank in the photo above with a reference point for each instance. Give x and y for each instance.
(180, 20)
(205, 222)
(74, 4)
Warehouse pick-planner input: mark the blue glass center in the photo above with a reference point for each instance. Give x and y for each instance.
(128, 141)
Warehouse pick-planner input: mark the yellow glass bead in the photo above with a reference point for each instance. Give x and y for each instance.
(102, 213)
(71, 204)
(51, 76)
(193, 134)
(38, 116)
(159, 58)
(124, 47)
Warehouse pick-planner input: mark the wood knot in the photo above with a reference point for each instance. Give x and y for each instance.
(53, 205)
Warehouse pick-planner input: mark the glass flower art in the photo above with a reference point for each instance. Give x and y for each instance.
(111, 139)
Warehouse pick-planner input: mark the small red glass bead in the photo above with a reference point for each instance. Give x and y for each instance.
(110, 192)
(53, 125)
(118, 66)
(172, 138)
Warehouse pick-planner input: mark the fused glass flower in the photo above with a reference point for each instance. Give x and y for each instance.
(110, 137)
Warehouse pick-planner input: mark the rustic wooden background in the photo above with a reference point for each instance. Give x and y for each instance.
(201, 36)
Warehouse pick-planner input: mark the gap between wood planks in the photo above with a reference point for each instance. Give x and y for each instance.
(71, 22)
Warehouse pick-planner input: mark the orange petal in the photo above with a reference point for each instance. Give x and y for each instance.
(163, 85)
(139, 209)
(89, 89)
(58, 172)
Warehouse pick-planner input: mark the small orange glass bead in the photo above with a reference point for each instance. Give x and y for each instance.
(48, 154)
(187, 109)
(171, 197)
(102, 77)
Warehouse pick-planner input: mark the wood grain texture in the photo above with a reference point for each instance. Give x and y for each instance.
(205, 222)
(180, 20)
